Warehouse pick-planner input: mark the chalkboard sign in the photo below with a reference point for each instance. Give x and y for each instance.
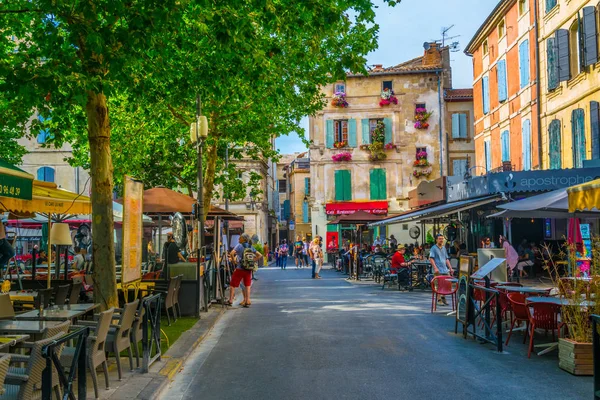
(465, 270)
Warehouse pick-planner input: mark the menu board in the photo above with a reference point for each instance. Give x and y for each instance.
(132, 230)
(465, 269)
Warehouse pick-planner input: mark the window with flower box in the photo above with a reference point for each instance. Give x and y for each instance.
(389, 85)
(341, 130)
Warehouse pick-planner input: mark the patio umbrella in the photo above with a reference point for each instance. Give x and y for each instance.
(14, 182)
(585, 196)
(574, 237)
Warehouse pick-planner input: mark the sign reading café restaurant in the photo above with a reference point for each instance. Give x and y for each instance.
(459, 188)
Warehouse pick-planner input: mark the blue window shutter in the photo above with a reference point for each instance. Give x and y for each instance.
(366, 131)
(485, 87)
(524, 63)
(286, 210)
(577, 126)
(459, 167)
(550, 4)
(526, 144)
(455, 126)
(329, 133)
(501, 72)
(305, 213)
(563, 53)
(352, 133)
(488, 156)
(388, 130)
(505, 138)
(45, 174)
(552, 61)
(464, 131)
(307, 186)
(555, 144)
(589, 36)
(595, 129)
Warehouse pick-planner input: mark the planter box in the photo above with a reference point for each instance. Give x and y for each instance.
(576, 358)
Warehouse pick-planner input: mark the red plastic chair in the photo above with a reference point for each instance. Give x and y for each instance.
(441, 286)
(520, 313)
(542, 316)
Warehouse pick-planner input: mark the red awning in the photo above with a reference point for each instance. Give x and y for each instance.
(350, 207)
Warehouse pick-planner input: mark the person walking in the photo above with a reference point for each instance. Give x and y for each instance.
(245, 257)
(6, 250)
(283, 254)
(438, 257)
(305, 247)
(297, 252)
(276, 252)
(316, 253)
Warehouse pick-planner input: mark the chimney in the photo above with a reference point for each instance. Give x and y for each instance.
(377, 67)
(432, 56)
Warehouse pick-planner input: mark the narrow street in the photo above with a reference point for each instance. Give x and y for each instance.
(325, 339)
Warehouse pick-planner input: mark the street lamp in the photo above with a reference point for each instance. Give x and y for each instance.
(199, 133)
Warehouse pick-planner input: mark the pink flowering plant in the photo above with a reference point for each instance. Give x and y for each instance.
(339, 100)
(390, 146)
(341, 157)
(388, 97)
(422, 165)
(421, 117)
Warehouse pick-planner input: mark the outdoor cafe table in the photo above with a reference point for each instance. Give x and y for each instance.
(525, 289)
(10, 340)
(26, 327)
(56, 313)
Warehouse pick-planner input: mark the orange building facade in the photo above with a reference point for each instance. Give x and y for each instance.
(505, 89)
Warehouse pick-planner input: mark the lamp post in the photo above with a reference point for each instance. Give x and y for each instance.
(199, 133)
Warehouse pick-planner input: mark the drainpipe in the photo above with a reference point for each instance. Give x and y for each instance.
(440, 123)
(538, 86)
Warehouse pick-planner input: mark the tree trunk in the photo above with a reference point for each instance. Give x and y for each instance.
(209, 176)
(105, 279)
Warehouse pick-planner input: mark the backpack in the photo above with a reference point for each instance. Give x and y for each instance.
(248, 258)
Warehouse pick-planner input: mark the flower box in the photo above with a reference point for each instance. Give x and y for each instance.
(421, 118)
(339, 100)
(576, 358)
(342, 157)
(340, 145)
(388, 97)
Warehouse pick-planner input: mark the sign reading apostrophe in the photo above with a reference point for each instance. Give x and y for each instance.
(132, 230)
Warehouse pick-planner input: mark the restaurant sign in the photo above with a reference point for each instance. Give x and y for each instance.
(350, 207)
(132, 230)
(15, 182)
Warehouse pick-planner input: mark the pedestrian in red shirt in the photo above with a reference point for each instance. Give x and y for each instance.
(398, 260)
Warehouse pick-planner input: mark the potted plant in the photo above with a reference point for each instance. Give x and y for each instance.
(421, 118)
(378, 147)
(339, 100)
(422, 167)
(341, 157)
(387, 97)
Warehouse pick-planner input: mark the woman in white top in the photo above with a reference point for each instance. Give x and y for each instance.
(317, 255)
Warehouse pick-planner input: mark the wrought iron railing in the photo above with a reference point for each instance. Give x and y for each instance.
(483, 312)
(151, 330)
(77, 368)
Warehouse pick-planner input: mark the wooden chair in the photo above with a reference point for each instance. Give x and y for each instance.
(118, 336)
(95, 347)
(75, 293)
(60, 297)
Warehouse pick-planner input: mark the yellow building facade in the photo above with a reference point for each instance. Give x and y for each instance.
(569, 83)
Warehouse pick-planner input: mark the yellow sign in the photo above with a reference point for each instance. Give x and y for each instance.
(132, 230)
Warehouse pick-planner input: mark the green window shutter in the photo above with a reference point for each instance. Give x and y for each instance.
(577, 124)
(382, 185)
(552, 56)
(388, 130)
(339, 186)
(366, 134)
(455, 126)
(555, 145)
(462, 120)
(329, 133)
(347, 186)
(307, 186)
(374, 184)
(378, 184)
(352, 133)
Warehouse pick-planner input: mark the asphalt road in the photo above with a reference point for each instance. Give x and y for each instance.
(330, 339)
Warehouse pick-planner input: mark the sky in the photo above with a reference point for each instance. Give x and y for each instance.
(403, 30)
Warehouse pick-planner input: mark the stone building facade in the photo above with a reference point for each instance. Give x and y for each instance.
(460, 131)
(298, 178)
(349, 130)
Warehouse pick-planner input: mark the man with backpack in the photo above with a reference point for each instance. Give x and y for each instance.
(283, 253)
(246, 259)
(298, 252)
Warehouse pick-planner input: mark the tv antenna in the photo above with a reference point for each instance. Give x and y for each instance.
(454, 46)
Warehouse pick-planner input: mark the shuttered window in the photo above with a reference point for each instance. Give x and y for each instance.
(286, 210)
(44, 134)
(502, 87)
(550, 4)
(488, 155)
(329, 136)
(485, 88)
(378, 184)
(340, 88)
(459, 126)
(307, 186)
(352, 133)
(595, 126)
(459, 167)
(305, 213)
(365, 125)
(590, 36)
(505, 139)
(343, 185)
(524, 63)
(388, 130)
(552, 61)
(578, 128)
(555, 145)
(45, 174)
(563, 54)
(526, 143)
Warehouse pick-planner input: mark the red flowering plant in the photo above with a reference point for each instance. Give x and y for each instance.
(341, 157)
(340, 144)
(339, 100)
(421, 117)
(390, 146)
(388, 97)
(422, 165)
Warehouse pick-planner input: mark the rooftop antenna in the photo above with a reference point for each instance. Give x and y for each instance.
(444, 31)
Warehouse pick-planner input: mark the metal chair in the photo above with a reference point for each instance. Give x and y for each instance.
(60, 297)
(176, 296)
(4, 364)
(118, 335)
(95, 347)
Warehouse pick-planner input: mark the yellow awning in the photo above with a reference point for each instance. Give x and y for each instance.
(585, 196)
(48, 199)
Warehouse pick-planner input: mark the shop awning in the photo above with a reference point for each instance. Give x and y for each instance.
(438, 211)
(47, 198)
(585, 196)
(357, 218)
(14, 182)
(350, 207)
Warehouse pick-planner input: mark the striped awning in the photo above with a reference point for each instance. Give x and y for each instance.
(585, 196)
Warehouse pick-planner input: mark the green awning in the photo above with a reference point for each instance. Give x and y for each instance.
(15, 182)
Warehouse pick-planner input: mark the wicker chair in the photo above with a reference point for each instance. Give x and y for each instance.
(137, 332)
(118, 335)
(4, 364)
(75, 293)
(26, 383)
(95, 347)
(60, 297)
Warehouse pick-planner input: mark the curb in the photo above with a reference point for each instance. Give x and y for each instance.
(150, 386)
